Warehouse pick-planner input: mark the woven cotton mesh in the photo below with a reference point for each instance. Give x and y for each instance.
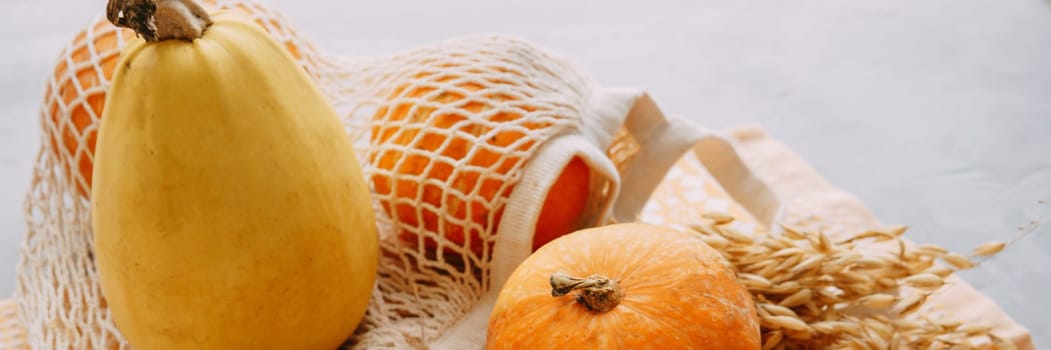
(59, 297)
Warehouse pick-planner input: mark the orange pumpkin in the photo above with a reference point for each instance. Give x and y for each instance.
(76, 94)
(423, 135)
(624, 286)
(562, 209)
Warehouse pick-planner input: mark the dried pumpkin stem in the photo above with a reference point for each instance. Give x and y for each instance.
(157, 20)
(597, 292)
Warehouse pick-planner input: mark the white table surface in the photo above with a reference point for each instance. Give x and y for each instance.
(936, 113)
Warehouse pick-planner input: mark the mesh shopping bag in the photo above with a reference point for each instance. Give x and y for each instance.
(465, 142)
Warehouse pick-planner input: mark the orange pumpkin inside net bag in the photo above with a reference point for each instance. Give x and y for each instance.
(445, 146)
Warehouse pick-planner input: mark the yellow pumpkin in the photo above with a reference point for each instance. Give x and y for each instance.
(229, 209)
(81, 76)
(624, 286)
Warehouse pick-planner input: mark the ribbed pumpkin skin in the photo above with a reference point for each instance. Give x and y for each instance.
(229, 210)
(678, 294)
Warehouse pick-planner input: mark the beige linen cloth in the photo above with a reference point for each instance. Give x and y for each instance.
(689, 188)
(807, 201)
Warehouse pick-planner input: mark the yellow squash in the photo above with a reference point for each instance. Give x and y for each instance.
(229, 210)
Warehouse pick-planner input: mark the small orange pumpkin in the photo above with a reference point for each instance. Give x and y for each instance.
(624, 286)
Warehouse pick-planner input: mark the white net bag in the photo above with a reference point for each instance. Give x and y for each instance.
(462, 142)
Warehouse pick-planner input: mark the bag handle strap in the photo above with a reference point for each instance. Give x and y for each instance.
(721, 157)
(664, 140)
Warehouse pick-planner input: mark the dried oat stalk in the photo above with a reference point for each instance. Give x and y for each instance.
(813, 292)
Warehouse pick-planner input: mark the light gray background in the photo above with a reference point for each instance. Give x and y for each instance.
(937, 113)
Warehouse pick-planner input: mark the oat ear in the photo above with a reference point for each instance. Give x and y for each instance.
(815, 292)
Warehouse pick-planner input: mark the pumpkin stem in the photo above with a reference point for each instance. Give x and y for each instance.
(597, 292)
(157, 20)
